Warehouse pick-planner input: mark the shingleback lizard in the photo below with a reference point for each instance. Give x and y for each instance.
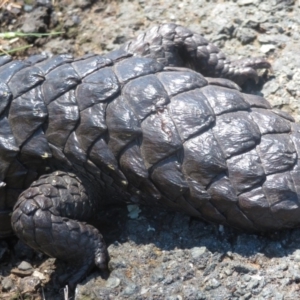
(161, 121)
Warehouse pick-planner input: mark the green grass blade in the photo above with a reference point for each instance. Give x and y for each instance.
(2, 52)
(11, 35)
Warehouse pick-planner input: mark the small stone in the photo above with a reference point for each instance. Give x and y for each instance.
(144, 290)
(247, 277)
(27, 8)
(24, 269)
(283, 266)
(254, 24)
(196, 252)
(267, 293)
(296, 255)
(246, 2)
(39, 275)
(34, 22)
(267, 48)
(174, 297)
(278, 296)
(229, 254)
(25, 266)
(113, 282)
(292, 88)
(29, 284)
(157, 275)
(190, 292)
(212, 284)
(83, 3)
(244, 268)
(253, 284)
(246, 35)
(130, 289)
(275, 39)
(247, 296)
(168, 280)
(7, 284)
(134, 211)
(270, 87)
(295, 275)
(117, 262)
(228, 271)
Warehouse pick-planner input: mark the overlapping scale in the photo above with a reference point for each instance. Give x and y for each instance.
(27, 113)
(145, 95)
(277, 153)
(97, 87)
(123, 125)
(134, 67)
(63, 115)
(181, 81)
(236, 133)
(203, 158)
(223, 100)
(54, 87)
(160, 137)
(191, 113)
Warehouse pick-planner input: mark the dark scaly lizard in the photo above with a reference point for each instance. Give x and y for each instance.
(158, 122)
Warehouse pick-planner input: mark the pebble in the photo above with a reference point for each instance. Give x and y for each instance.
(196, 252)
(29, 284)
(271, 87)
(275, 39)
(24, 269)
(34, 22)
(246, 35)
(158, 276)
(39, 275)
(113, 282)
(25, 266)
(296, 255)
(7, 284)
(212, 284)
(246, 2)
(267, 48)
(130, 290)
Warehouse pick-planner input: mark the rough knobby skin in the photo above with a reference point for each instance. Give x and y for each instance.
(157, 122)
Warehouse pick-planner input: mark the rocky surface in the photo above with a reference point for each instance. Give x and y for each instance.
(155, 254)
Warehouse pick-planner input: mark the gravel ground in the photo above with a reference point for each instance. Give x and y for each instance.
(155, 254)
